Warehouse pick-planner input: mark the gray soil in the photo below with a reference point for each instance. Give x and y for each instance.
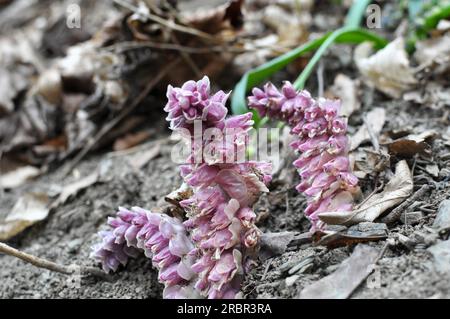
(70, 230)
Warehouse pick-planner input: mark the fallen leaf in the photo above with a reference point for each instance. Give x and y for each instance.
(376, 119)
(407, 148)
(140, 159)
(441, 256)
(275, 243)
(214, 20)
(130, 140)
(18, 176)
(442, 220)
(433, 95)
(359, 233)
(347, 277)
(291, 28)
(346, 89)
(388, 70)
(398, 189)
(433, 50)
(29, 209)
(75, 187)
(412, 144)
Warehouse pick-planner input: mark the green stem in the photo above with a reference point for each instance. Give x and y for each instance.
(356, 13)
(343, 35)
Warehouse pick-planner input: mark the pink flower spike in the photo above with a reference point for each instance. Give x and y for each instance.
(323, 163)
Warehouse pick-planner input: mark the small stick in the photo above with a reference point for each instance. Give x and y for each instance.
(124, 113)
(395, 214)
(266, 269)
(169, 24)
(50, 265)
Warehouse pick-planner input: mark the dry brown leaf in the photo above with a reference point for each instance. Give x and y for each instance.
(346, 89)
(412, 144)
(28, 210)
(140, 159)
(398, 189)
(359, 233)
(18, 176)
(214, 20)
(388, 70)
(349, 275)
(130, 140)
(376, 119)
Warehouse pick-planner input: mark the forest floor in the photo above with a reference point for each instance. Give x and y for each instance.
(406, 267)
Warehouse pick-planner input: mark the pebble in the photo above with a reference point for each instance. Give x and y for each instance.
(291, 280)
(74, 244)
(443, 216)
(441, 255)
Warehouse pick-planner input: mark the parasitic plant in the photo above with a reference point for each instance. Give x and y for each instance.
(323, 165)
(208, 254)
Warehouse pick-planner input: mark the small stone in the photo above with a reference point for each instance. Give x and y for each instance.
(442, 220)
(411, 218)
(74, 245)
(406, 241)
(441, 255)
(291, 280)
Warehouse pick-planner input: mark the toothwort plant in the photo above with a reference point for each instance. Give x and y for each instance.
(209, 253)
(323, 164)
(220, 217)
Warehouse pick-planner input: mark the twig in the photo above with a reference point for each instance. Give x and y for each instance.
(395, 214)
(110, 125)
(50, 265)
(266, 269)
(373, 137)
(129, 45)
(169, 24)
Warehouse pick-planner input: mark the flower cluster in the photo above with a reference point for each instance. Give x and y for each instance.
(323, 164)
(207, 254)
(220, 217)
(162, 238)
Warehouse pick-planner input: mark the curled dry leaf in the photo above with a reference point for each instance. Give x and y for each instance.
(359, 233)
(412, 144)
(216, 19)
(349, 275)
(29, 209)
(18, 176)
(388, 70)
(398, 189)
(376, 119)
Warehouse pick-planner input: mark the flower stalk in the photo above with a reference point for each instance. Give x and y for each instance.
(321, 141)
